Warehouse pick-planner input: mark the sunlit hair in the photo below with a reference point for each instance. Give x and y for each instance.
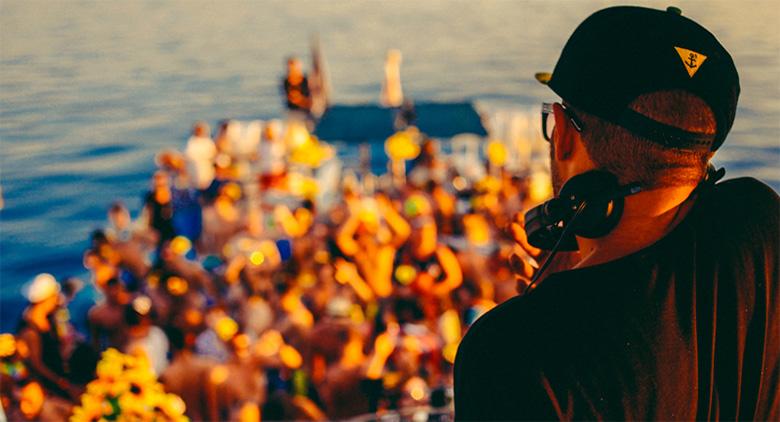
(117, 207)
(633, 158)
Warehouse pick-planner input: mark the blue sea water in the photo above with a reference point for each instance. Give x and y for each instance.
(90, 91)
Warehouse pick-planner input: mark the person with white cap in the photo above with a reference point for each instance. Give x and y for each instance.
(39, 332)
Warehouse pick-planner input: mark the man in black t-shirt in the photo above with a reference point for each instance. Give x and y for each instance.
(674, 311)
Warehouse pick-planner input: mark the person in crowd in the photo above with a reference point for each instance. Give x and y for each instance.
(222, 219)
(296, 87)
(370, 237)
(273, 156)
(258, 316)
(158, 208)
(237, 386)
(119, 223)
(188, 374)
(132, 246)
(658, 304)
(186, 218)
(81, 357)
(208, 343)
(251, 256)
(101, 259)
(224, 164)
(143, 337)
(175, 261)
(201, 154)
(246, 145)
(428, 265)
(344, 383)
(392, 93)
(13, 373)
(38, 332)
(428, 166)
(28, 401)
(107, 318)
(296, 224)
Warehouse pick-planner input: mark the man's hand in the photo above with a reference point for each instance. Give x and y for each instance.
(524, 259)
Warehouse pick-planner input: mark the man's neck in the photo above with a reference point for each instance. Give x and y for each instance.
(647, 217)
(39, 318)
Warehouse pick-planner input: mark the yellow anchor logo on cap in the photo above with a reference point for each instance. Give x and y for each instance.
(692, 60)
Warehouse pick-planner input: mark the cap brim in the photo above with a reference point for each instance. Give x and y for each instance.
(543, 77)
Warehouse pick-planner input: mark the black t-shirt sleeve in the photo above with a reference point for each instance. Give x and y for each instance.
(736, 300)
(494, 369)
(750, 212)
(472, 377)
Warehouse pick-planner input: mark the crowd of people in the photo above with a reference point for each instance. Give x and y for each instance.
(250, 298)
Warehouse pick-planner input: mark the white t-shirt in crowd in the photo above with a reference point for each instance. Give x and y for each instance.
(155, 345)
(200, 153)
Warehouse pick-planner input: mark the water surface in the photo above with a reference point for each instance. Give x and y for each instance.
(90, 91)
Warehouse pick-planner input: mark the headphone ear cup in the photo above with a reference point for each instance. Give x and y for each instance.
(542, 229)
(599, 218)
(602, 212)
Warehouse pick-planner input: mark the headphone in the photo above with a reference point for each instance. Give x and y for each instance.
(589, 205)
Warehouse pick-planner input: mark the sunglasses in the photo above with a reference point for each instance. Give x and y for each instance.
(548, 120)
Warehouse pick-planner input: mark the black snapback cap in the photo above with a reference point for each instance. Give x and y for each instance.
(620, 53)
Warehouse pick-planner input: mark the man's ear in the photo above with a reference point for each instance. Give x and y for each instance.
(564, 136)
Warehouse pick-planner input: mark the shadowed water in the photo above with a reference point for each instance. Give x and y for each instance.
(90, 91)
